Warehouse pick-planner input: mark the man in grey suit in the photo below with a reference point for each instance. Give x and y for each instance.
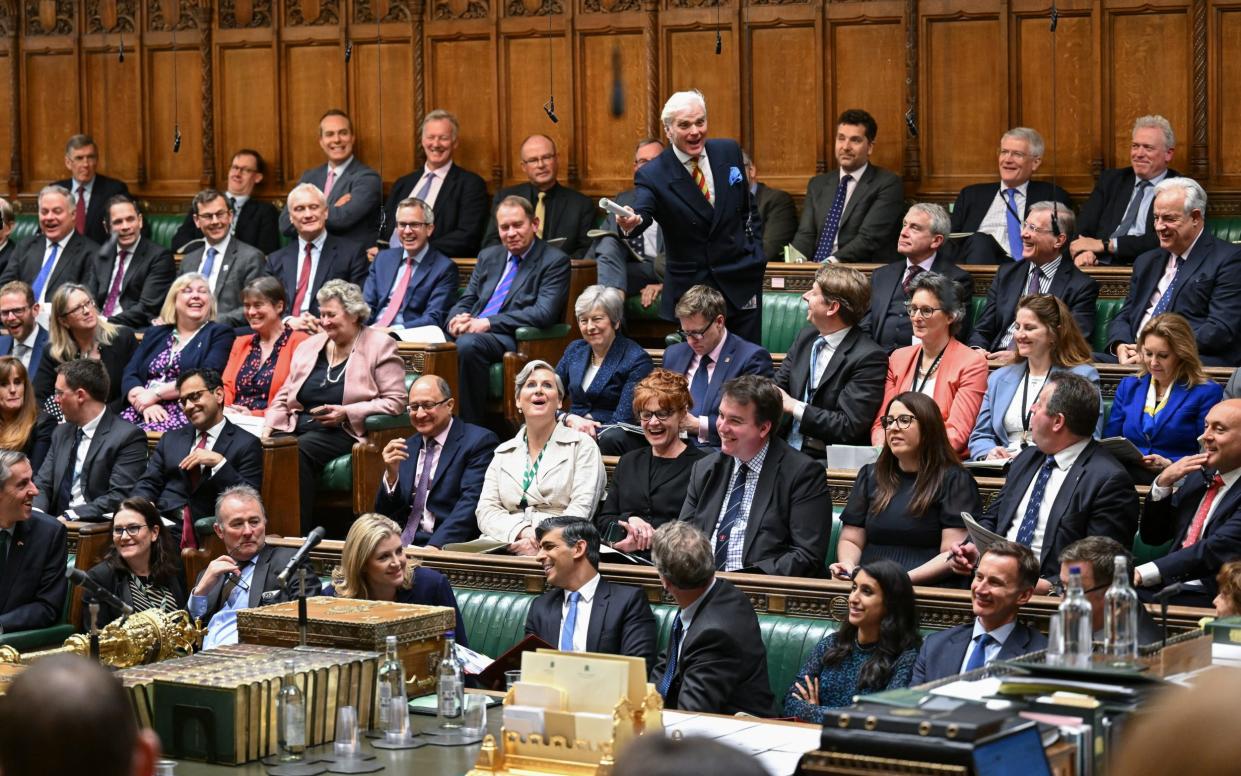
(635, 265)
(96, 458)
(228, 263)
(859, 222)
(354, 191)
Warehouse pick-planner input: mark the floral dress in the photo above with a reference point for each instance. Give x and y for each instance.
(164, 370)
(254, 378)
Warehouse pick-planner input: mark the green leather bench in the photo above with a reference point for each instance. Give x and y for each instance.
(163, 227)
(1225, 228)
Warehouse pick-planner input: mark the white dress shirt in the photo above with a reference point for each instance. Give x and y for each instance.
(1149, 572)
(995, 222)
(831, 345)
(426, 520)
(703, 165)
(1161, 288)
(75, 491)
(316, 252)
(1064, 461)
(582, 623)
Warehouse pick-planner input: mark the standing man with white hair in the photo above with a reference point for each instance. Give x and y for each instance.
(1191, 273)
(1117, 223)
(697, 190)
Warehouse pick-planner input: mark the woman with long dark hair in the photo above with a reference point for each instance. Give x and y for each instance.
(874, 649)
(907, 505)
(142, 567)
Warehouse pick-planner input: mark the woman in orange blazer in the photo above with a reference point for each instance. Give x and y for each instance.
(259, 363)
(336, 379)
(942, 367)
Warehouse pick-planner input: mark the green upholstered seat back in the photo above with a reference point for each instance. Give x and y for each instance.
(784, 315)
(977, 302)
(1104, 311)
(164, 226)
(494, 620)
(1225, 228)
(25, 228)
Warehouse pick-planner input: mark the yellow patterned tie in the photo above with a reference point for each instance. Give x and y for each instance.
(540, 213)
(700, 180)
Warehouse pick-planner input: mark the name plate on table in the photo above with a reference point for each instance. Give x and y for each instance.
(358, 624)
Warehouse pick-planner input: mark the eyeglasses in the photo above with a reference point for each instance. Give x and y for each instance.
(240, 169)
(14, 312)
(409, 226)
(699, 334)
(661, 415)
(132, 530)
(922, 312)
(901, 422)
(1029, 227)
(189, 398)
(220, 215)
(544, 159)
(425, 406)
(89, 304)
(1020, 156)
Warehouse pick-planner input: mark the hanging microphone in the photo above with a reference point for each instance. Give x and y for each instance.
(176, 138)
(549, 108)
(719, 42)
(99, 592)
(311, 542)
(911, 123)
(1055, 207)
(121, 52)
(348, 51)
(1055, 17)
(618, 89)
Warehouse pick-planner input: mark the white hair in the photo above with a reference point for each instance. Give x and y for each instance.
(1031, 136)
(1195, 196)
(682, 101)
(311, 189)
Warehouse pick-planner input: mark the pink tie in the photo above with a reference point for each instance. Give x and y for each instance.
(397, 300)
(327, 187)
(109, 306)
(303, 281)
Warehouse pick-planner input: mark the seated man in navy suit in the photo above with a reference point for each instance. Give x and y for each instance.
(56, 255)
(1202, 516)
(1003, 583)
(710, 356)
(33, 552)
(581, 611)
(193, 465)
(23, 337)
(91, 190)
(412, 284)
(1191, 273)
(314, 258)
(433, 479)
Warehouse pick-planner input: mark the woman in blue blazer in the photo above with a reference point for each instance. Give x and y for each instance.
(601, 370)
(189, 339)
(1163, 409)
(1046, 340)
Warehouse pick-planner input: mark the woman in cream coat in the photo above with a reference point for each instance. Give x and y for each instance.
(547, 469)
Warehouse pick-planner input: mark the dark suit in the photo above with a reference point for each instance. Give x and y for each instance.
(624, 262)
(149, 272)
(653, 492)
(460, 210)
(241, 264)
(722, 667)
(428, 296)
(257, 224)
(719, 245)
(265, 588)
(621, 622)
(114, 357)
(1207, 294)
(887, 322)
(842, 407)
(6, 252)
(1096, 499)
(609, 399)
(117, 454)
(870, 223)
(358, 219)
(1075, 288)
(737, 357)
(454, 490)
(36, 352)
(165, 484)
(536, 297)
(971, 208)
(209, 348)
(101, 190)
(74, 264)
(790, 518)
(568, 213)
(1105, 209)
(1170, 519)
(779, 216)
(943, 652)
(117, 581)
(33, 585)
(339, 259)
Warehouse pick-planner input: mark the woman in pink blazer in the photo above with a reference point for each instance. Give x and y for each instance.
(336, 379)
(940, 366)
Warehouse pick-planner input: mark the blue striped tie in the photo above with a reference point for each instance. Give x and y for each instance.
(1025, 534)
(1165, 300)
(506, 282)
(1014, 226)
(674, 646)
(44, 271)
(731, 514)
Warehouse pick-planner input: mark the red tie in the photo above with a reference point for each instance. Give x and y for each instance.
(79, 213)
(1200, 517)
(303, 281)
(700, 180)
(188, 538)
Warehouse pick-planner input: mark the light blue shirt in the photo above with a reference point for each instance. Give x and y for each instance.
(222, 628)
(998, 637)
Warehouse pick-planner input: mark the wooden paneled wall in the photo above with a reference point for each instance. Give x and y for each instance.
(258, 73)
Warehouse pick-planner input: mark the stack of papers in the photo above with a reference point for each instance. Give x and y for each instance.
(777, 746)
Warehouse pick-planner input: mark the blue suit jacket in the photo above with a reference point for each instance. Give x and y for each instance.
(209, 348)
(1002, 386)
(339, 259)
(718, 245)
(430, 292)
(1208, 296)
(609, 399)
(1170, 518)
(1177, 425)
(942, 653)
(36, 353)
(455, 488)
(536, 297)
(738, 357)
(32, 586)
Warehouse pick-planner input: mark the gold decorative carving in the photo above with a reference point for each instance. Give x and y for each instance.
(49, 17)
(534, 8)
(170, 15)
(239, 14)
(461, 9)
(614, 6)
(382, 10)
(313, 13)
(103, 16)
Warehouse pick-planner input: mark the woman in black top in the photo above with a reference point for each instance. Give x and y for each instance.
(75, 330)
(142, 567)
(649, 485)
(907, 506)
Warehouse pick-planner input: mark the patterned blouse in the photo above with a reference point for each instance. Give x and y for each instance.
(838, 683)
(164, 370)
(255, 375)
(150, 596)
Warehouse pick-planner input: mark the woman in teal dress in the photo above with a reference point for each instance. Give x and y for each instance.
(873, 650)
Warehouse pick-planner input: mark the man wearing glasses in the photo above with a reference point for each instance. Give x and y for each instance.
(564, 216)
(193, 465)
(227, 262)
(133, 279)
(433, 479)
(24, 338)
(412, 284)
(254, 222)
(314, 258)
(1044, 269)
(96, 457)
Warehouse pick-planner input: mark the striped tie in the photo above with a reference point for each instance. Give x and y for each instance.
(700, 180)
(506, 282)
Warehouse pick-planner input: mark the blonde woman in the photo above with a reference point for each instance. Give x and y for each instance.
(76, 330)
